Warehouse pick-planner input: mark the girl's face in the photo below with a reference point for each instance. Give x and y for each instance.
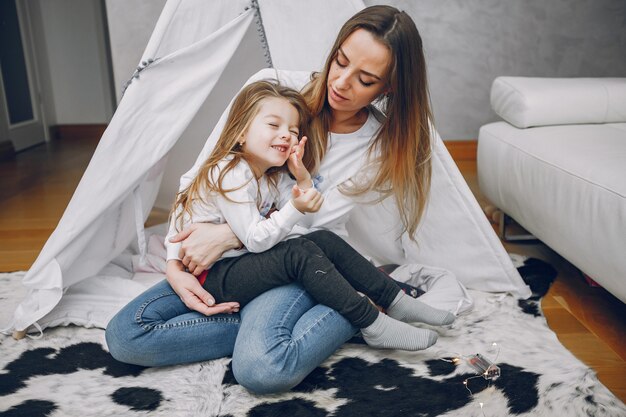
(358, 74)
(271, 135)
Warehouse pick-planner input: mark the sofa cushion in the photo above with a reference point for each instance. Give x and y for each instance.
(565, 185)
(527, 101)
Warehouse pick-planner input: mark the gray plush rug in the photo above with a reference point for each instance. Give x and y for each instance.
(69, 373)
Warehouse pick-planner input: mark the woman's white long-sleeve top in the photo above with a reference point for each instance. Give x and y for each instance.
(346, 159)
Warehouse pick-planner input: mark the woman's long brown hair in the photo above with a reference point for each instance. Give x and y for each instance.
(245, 107)
(402, 149)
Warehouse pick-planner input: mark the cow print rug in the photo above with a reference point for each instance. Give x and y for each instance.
(69, 373)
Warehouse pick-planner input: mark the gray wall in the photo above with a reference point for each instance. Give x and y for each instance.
(72, 60)
(469, 43)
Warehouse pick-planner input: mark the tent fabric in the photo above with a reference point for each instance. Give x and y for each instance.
(290, 27)
(99, 222)
(192, 44)
(185, 22)
(454, 233)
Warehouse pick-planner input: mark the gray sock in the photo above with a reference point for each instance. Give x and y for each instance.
(409, 310)
(387, 333)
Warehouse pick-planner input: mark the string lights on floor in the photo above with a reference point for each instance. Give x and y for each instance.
(483, 367)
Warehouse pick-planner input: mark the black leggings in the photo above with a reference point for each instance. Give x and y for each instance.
(329, 269)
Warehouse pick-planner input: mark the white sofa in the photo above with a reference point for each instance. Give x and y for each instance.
(557, 166)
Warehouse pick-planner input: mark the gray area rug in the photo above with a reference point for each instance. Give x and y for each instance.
(69, 373)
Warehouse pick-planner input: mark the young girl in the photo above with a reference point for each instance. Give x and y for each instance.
(238, 184)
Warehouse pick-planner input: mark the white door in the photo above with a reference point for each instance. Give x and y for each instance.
(20, 108)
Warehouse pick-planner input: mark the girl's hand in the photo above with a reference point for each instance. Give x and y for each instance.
(192, 294)
(294, 163)
(203, 244)
(306, 201)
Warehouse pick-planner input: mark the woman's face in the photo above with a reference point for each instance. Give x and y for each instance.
(358, 74)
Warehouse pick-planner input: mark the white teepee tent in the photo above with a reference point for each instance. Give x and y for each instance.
(199, 55)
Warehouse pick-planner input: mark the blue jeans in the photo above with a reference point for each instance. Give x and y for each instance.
(275, 341)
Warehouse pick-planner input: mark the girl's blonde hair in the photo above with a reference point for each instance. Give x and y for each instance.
(401, 150)
(245, 107)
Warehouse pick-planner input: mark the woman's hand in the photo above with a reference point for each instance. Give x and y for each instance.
(203, 244)
(192, 294)
(297, 168)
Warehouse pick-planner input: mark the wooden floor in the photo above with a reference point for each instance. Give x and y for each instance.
(36, 186)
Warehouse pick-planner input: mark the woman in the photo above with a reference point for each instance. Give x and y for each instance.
(282, 335)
